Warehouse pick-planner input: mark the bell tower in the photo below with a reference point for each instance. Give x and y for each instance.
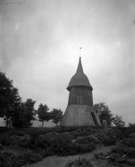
(80, 111)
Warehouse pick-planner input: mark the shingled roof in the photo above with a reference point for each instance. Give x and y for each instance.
(79, 79)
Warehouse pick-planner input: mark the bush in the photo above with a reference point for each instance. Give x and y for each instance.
(87, 140)
(132, 135)
(7, 159)
(30, 157)
(23, 140)
(80, 163)
(130, 162)
(62, 144)
(83, 148)
(109, 136)
(4, 129)
(131, 152)
(4, 139)
(124, 151)
(84, 131)
(126, 146)
(46, 140)
(54, 143)
(130, 142)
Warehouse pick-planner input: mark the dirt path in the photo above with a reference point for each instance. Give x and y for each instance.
(56, 161)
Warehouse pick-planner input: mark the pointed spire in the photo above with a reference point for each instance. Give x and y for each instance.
(79, 78)
(79, 68)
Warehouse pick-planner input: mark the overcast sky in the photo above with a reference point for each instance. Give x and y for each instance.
(39, 49)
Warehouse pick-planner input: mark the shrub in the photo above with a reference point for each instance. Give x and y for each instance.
(46, 140)
(132, 135)
(79, 163)
(87, 140)
(61, 144)
(109, 136)
(23, 141)
(120, 149)
(30, 157)
(82, 148)
(124, 151)
(130, 142)
(7, 159)
(130, 162)
(55, 143)
(83, 131)
(131, 152)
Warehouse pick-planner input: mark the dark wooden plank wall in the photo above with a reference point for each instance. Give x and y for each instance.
(80, 95)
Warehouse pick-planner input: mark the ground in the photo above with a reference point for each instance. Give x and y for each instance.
(59, 161)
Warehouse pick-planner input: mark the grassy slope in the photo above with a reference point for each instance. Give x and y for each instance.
(55, 161)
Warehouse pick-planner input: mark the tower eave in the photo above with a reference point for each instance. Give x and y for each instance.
(70, 87)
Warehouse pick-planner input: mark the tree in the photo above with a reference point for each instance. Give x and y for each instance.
(43, 113)
(25, 114)
(56, 115)
(9, 99)
(28, 111)
(17, 119)
(117, 121)
(104, 113)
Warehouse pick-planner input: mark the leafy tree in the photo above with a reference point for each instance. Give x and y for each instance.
(117, 121)
(131, 125)
(17, 119)
(9, 99)
(104, 113)
(28, 111)
(43, 113)
(25, 114)
(56, 115)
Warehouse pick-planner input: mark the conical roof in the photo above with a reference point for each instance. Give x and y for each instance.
(79, 79)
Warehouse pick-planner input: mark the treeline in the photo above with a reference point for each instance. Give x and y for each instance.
(20, 114)
(17, 113)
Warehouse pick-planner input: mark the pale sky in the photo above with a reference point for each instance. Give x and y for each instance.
(39, 49)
